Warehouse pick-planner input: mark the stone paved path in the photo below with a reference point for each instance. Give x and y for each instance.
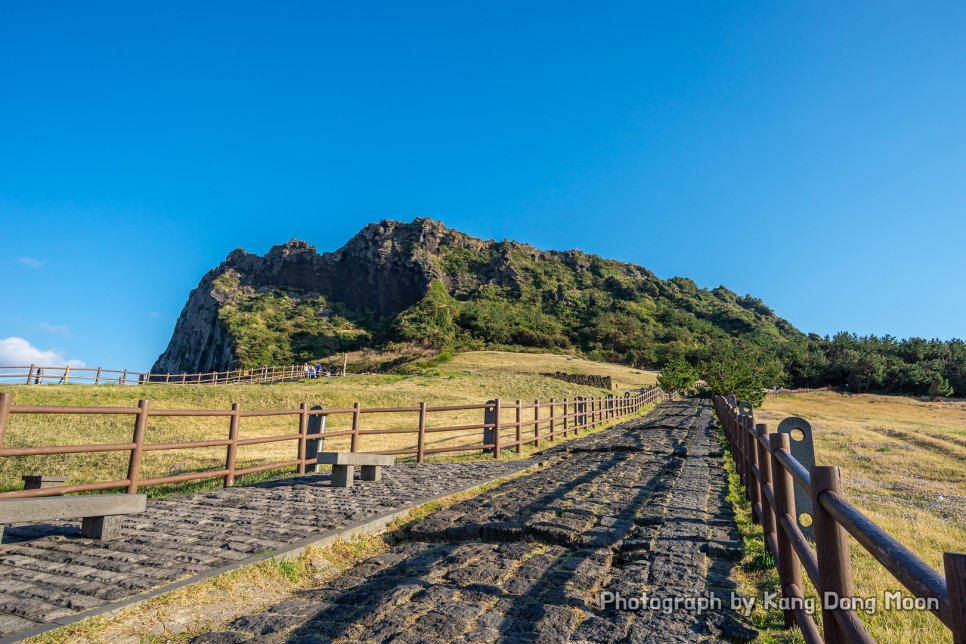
(635, 509)
(48, 572)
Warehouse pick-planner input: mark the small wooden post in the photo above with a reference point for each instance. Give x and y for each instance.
(97, 377)
(356, 418)
(832, 549)
(519, 427)
(789, 565)
(753, 483)
(740, 447)
(303, 432)
(233, 445)
(66, 374)
(421, 437)
(134, 463)
(565, 419)
(30, 374)
(767, 512)
(496, 428)
(123, 377)
(536, 423)
(955, 566)
(6, 399)
(553, 414)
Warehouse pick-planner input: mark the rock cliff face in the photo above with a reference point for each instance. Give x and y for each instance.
(384, 269)
(431, 287)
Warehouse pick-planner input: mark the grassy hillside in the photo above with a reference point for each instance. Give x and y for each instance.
(471, 378)
(904, 465)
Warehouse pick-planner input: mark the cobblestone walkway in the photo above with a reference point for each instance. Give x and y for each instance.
(640, 508)
(48, 572)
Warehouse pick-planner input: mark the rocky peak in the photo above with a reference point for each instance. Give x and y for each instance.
(385, 268)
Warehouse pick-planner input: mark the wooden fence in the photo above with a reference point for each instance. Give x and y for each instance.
(769, 473)
(506, 423)
(39, 374)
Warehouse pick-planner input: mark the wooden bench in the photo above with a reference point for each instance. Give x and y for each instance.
(100, 513)
(344, 464)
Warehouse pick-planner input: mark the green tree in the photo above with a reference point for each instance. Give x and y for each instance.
(677, 375)
(430, 321)
(729, 369)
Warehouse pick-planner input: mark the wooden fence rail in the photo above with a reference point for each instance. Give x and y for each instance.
(769, 472)
(39, 375)
(567, 416)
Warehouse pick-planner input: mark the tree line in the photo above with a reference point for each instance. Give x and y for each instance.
(860, 364)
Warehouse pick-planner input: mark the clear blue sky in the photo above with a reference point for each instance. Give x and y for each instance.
(812, 154)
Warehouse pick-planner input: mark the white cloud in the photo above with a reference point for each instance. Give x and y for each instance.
(31, 262)
(16, 351)
(56, 329)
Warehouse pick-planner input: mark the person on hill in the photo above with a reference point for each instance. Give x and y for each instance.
(307, 370)
(318, 369)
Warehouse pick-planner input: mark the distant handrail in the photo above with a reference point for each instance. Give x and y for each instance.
(40, 374)
(768, 472)
(565, 417)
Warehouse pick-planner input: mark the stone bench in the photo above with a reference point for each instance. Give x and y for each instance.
(100, 513)
(344, 464)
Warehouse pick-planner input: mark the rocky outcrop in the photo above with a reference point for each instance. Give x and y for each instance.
(384, 269)
(589, 380)
(499, 294)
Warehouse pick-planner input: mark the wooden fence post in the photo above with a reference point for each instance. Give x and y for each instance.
(6, 399)
(765, 485)
(832, 548)
(536, 423)
(955, 567)
(789, 565)
(565, 419)
(752, 456)
(233, 445)
(356, 417)
(421, 437)
(553, 419)
(303, 432)
(519, 428)
(739, 448)
(134, 463)
(496, 428)
(30, 374)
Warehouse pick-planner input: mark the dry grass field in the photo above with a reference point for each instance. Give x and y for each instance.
(904, 465)
(471, 378)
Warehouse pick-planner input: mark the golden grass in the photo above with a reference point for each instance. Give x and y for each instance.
(624, 377)
(904, 465)
(471, 378)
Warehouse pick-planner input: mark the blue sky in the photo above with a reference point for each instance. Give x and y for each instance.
(812, 154)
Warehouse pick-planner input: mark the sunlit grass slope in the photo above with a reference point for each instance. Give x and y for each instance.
(471, 378)
(904, 465)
